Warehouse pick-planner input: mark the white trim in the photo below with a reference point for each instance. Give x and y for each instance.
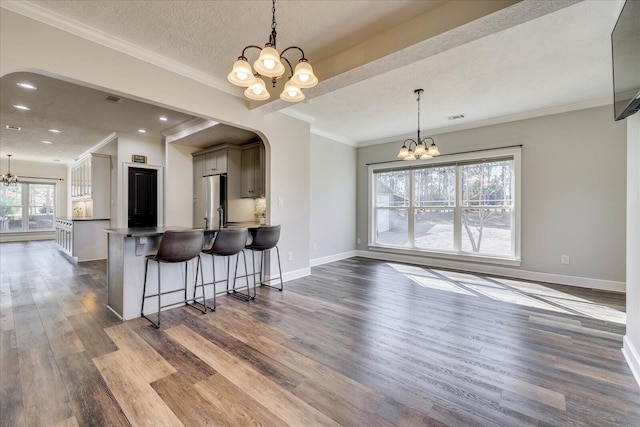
(27, 236)
(296, 274)
(69, 25)
(466, 125)
(459, 257)
(633, 357)
(580, 282)
(331, 258)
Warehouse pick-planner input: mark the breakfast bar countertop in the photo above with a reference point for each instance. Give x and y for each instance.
(157, 231)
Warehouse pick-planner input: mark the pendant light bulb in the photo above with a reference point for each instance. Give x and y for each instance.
(269, 64)
(257, 91)
(303, 76)
(291, 93)
(241, 74)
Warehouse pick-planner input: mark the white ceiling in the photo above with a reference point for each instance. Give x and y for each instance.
(530, 59)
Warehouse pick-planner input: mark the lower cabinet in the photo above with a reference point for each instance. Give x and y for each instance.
(82, 239)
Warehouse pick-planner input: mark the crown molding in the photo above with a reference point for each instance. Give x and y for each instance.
(38, 13)
(583, 105)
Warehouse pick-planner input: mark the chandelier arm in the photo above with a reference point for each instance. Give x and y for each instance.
(245, 50)
(288, 63)
(429, 138)
(295, 47)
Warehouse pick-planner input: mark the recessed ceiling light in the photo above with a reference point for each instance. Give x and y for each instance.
(142, 131)
(54, 130)
(21, 107)
(12, 127)
(26, 85)
(46, 142)
(163, 118)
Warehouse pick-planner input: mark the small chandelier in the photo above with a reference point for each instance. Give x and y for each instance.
(417, 148)
(9, 178)
(270, 64)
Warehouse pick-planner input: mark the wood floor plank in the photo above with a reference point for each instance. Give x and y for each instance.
(265, 391)
(11, 403)
(138, 400)
(236, 404)
(149, 363)
(43, 391)
(358, 342)
(90, 397)
(182, 360)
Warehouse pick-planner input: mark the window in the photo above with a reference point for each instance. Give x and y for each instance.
(458, 206)
(27, 207)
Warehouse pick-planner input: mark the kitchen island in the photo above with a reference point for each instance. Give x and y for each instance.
(127, 250)
(82, 239)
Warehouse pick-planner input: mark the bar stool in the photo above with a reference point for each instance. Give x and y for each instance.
(176, 247)
(265, 238)
(229, 242)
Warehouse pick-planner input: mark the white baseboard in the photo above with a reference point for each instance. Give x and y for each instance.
(25, 237)
(581, 282)
(296, 274)
(632, 356)
(331, 258)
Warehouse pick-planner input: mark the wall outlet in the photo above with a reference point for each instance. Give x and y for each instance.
(290, 256)
(280, 201)
(315, 246)
(564, 259)
(358, 241)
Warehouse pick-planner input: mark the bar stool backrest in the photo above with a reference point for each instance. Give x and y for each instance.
(265, 238)
(180, 246)
(229, 241)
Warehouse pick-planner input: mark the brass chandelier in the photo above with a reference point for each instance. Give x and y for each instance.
(417, 148)
(9, 178)
(270, 64)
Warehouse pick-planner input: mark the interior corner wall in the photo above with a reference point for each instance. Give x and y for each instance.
(631, 347)
(573, 191)
(179, 193)
(333, 190)
(27, 44)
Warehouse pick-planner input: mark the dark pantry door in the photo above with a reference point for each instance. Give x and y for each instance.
(143, 197)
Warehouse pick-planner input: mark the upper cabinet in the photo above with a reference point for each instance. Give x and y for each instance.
(214, 162)
(253, 171)
(91, 181)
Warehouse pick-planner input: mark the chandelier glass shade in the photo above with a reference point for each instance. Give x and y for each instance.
(273, 65)
(9, 178)
(418, 148)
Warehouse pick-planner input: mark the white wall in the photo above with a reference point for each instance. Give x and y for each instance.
(573, 193)
(333, 193)
(631, 347)
(178, 193)
(26, 44)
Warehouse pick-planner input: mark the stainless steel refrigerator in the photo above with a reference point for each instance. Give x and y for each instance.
(210, 207)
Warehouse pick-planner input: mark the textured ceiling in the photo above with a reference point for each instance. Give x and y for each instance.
(530, 58)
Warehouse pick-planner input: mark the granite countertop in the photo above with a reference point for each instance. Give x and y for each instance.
(156, 231)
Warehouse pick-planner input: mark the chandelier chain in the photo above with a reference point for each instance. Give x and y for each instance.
(274, 24)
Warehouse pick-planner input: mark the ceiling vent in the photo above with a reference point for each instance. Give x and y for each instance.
(456, 117)
(12, 127)
(113, 99)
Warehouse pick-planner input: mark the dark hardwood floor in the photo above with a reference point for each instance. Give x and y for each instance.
(358, 343)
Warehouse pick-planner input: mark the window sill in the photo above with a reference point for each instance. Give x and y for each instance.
(449, 256)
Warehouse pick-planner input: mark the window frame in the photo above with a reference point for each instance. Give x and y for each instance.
(514, 153)
(26, 185)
